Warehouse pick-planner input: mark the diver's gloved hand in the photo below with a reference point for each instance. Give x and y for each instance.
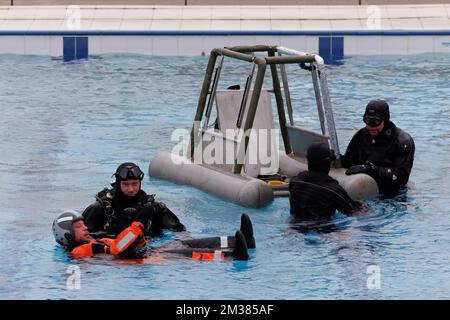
(362, 168)
(161, 205)
(148, 210)
(137, 226)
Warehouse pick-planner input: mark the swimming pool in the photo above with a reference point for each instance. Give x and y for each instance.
(66, 126)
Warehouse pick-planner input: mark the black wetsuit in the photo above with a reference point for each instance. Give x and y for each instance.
(315, 196)
(113, 212)
(388, 157)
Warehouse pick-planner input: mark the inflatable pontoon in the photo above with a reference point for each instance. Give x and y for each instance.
(236, 157)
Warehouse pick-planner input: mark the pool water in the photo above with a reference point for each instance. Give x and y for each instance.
(66, 126)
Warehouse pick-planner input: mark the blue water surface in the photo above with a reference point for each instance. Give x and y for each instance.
(65, 127)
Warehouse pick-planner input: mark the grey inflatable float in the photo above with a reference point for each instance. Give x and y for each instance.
(244, 190)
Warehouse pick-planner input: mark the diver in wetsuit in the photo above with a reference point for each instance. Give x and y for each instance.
(313, 194)
(381, 150)
(117, 207)
(71, 232)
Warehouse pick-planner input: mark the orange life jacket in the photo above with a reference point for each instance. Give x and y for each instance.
(124, 245)
(131, 239)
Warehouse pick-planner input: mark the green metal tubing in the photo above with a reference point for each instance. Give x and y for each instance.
(247, 49)
(240, 53)
(212, 93)
(289, 59)
(287, 94)
(203, 97)
(248, 84)
(315, 79)
(237, 168)
(280, 107)
(237, 55)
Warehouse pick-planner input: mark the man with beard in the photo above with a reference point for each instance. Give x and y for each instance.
(381, 150)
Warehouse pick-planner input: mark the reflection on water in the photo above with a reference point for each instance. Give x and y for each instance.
(320, 226)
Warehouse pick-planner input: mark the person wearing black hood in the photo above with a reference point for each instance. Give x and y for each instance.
(124, 202)
(118, 207)
(381, 150)
(313, 194)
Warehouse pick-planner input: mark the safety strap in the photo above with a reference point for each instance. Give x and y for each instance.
(224, 242)
(217, 255)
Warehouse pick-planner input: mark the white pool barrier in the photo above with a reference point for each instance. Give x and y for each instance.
(333, 32)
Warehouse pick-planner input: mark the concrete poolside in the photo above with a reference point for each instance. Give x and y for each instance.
(218, 2)
(195, 30)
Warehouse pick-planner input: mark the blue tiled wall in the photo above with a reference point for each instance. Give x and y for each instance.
(75, 48)
(331, 49)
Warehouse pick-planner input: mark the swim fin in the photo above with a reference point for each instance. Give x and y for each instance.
(240, 251)
(247, 230)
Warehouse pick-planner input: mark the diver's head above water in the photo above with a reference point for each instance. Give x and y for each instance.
(128, 179)
(319, 157)
(376, 117)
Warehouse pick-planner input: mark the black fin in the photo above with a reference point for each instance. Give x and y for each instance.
(240, 251)
(247, 230)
